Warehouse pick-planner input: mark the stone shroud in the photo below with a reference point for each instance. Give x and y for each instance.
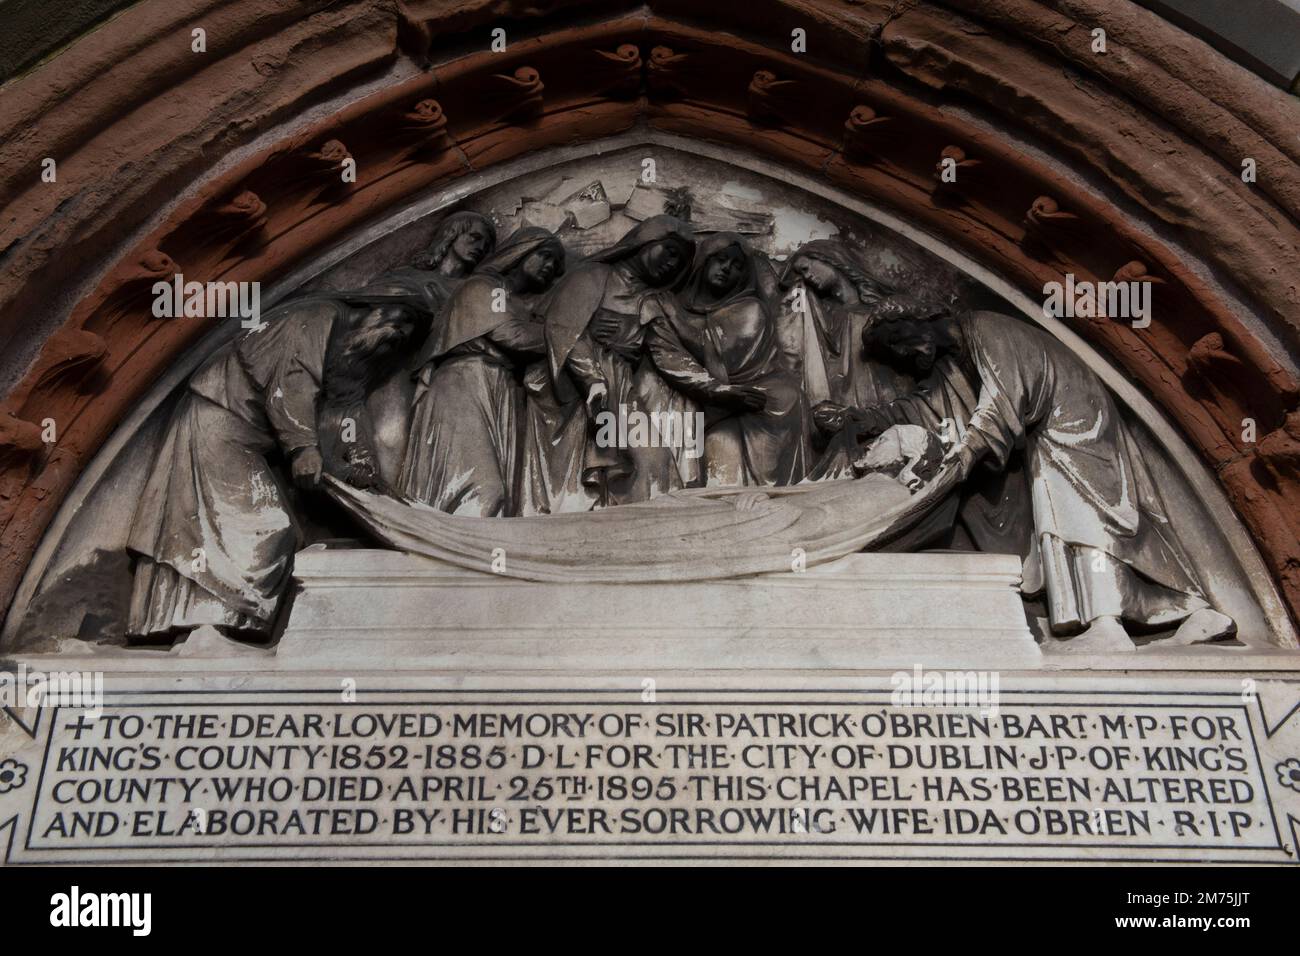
(249, 139)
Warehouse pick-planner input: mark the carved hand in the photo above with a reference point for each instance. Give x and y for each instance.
(361, 471)
(960, 457)
(307, 468)
(604, 328)
(743, 397)
(597, 399)
(830, 416)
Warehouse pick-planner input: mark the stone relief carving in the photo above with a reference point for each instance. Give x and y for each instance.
(634, 366)
(213, 537)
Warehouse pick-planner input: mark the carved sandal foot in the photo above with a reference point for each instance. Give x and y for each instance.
(1200, 627)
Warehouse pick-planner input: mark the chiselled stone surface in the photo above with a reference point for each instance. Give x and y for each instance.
(1218, 110)
(1037, 769)
(958, 610)
(661, 441)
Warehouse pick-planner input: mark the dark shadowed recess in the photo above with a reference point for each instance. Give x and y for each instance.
(30, 30)
(1261, 35)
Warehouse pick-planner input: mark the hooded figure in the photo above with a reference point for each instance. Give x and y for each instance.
(723, 350)
(462, 449)
(595, 336)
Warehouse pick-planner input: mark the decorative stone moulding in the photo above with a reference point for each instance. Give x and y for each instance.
(228, 166)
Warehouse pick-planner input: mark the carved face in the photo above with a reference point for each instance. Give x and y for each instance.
(383, 329)
(472, 245)
(663, 261)
(540, 269)
(816, 274)
(723, 270)
(911, 346)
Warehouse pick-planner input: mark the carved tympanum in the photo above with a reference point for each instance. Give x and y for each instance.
(666, 362)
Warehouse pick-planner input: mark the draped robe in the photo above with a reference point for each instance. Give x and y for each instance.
(213, 536)
(992, 512)
(734, 341)
(462, 450)
(564, 469)
(389, 405)
(1105, 540)
(834, 367)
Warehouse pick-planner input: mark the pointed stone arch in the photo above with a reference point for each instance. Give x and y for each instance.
(226, 168)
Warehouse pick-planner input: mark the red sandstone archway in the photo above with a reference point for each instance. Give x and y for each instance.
(225, 165)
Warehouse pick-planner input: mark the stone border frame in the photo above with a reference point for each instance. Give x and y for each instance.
(227, 168)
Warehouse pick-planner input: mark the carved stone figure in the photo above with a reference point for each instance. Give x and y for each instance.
(839, 306)
(1104, 548)
(461, 241)
(459, 244)
(595, 337)
(992, 513)
(461, 453)
(214, 536)
(722, 348)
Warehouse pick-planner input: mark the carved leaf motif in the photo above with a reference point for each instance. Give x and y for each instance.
(1136, 271)
(71, 359)
(137, 281)
(959, 161)
(237, 220)
(1279, 450)
(18, 439)
(424, 126)
(132, 291)
(862, 131)
(1045, 214)
(328, 159)
(1046, 225)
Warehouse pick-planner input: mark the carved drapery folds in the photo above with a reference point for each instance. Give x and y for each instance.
(890, 71)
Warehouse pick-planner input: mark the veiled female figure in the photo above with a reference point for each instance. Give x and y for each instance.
(462, 450)
(723, 349)
(459, 244)
(595, 337)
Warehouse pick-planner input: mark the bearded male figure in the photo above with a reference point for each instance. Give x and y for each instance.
(213, 538)
(1104, 548)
